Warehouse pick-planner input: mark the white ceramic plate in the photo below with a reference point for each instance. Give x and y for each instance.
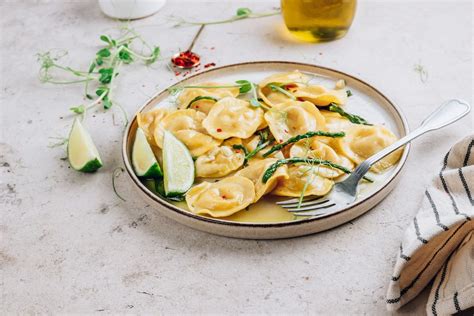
(366, 101)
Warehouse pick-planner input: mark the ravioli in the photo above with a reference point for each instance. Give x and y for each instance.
(320, 95)
(149, 120)
(294, 118)
(204, 105)
(313, 148)
(186, 125)
(231, 117)
(362, 141)
(222, 198)
(273, 98)
(301, 176)
(219, 162)
(255, 172)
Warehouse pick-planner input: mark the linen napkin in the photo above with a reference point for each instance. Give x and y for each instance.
(440, 240)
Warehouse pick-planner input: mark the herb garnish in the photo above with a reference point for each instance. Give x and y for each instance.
(280, 88)
(263, 142)
(102, 70)
(243, 85)
(297, 138)
(115, 174)
(312, 161)
(356, 119)
(241, 14)
(349, 93)
(201, 97)
(420, 69)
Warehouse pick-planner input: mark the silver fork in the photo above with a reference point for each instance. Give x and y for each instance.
(345, 192)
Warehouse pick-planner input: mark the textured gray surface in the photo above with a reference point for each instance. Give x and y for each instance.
(69, 245)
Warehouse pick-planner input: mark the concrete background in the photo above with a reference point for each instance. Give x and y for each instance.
(68, 244)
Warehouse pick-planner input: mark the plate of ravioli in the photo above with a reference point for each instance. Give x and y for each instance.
(217, 150)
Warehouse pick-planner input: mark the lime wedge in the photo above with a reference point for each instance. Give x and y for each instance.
(143, 159)
(81, 151)
(178, 166)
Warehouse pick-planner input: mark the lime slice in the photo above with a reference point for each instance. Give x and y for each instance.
(143, 159)
(81, 151)
(178, 166)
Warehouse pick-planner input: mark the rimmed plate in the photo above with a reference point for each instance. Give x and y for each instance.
(366, 101)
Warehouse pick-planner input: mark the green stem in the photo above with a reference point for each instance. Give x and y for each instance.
(235, 18)
(312, 161)
(300, 137)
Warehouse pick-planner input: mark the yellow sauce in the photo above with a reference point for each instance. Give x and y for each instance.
(318, 20)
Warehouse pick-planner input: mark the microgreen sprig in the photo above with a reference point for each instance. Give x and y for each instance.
(102, 70)
(240, 14)
(279, 88)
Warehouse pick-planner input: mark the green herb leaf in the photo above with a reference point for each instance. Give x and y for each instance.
(89, 96)
(107, 103)
(92, 67)
(349, 93)
(201, 97)
(351, 117)
(300, 137)
(243, 11)
(104, 53)
(245, 86)
(78, 109)
(311, 161)
(99, 61)
(106, 39)
(125, 56)
(101, 90)
(105, 75)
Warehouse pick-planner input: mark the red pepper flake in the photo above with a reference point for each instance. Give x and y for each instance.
(177, 73)
(219, 130)
(286, 131)
(237, 151)
(281, 140)
(300, 99)
(224, 197)
(290, 86)
(186, 59)
(209, 65)
(197, 106)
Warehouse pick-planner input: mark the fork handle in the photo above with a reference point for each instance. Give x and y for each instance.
(449, 112)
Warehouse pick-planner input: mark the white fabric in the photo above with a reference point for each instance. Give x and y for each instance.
(444, 223)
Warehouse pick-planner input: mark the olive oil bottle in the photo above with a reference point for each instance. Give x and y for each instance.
(318, 20)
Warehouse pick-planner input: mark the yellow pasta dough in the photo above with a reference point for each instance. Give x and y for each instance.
(219, 162)
(362, 141)
(294, 118)
(148, 121)
(303, 180)
(222, 198)
(320, 95)
(255, 172)
(273, 98)
(186, 125)
(204, 105)
(231, 117)
(312, 148)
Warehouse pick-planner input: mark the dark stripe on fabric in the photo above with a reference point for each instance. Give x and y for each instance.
(417, 231)
(445, 185)
(464, 184)
(435, 211)
(409, 286)
(441, 281)
(407, 258)
(468, 153)
(456, 302)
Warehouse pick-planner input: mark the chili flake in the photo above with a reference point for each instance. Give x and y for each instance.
(219, 130)
(186, 59)
(209, 65)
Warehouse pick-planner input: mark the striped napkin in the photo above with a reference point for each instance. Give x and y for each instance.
(440, 241)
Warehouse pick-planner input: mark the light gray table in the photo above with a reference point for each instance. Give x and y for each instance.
(68, 244)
